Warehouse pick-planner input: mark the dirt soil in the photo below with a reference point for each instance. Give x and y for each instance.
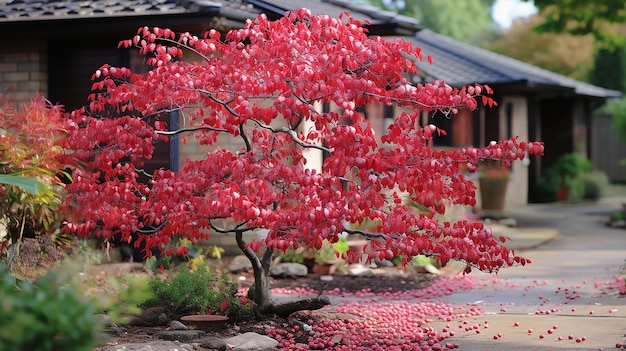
(385, 281)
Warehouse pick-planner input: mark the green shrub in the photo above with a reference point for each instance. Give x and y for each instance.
(291, 255)
(48, 315)
(563, 173)
(618, 110)
(199, 291)
(132, 291)
(589, 186)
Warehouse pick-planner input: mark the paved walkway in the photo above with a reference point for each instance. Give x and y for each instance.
(571, 284)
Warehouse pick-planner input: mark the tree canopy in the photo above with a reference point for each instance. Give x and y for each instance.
(264, 85)
(582, 17)
(461, 20)
(563, 53)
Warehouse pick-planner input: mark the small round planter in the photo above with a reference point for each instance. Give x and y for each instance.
(205, 322)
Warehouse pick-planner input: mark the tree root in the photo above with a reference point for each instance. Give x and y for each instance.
(286, 308)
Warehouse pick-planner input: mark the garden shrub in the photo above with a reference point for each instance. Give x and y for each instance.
(589, 186)
(132, 291)
(563, 173)
(199, 291)
(31, 189)
(49, 314)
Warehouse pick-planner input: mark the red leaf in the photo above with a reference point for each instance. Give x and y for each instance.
(224, 306)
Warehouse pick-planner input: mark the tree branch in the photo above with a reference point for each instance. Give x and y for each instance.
(216, 100)
(367, 235)
(254, 259)
(235, 229)
(189, 129)
(292, 134)
(244, 137)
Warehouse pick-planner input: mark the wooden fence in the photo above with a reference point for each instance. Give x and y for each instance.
(607, 149)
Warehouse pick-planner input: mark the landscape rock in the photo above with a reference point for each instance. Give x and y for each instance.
(152, 346)
(211, 343)
(180, 335)
(289, 270)
(360, 270)
(251, 341)
(239, 263)
(176, 325)
(151, 317)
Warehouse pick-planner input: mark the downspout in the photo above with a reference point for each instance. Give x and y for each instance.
(174, 142)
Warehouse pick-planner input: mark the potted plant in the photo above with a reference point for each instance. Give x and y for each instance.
(567, 168)
(493, 180)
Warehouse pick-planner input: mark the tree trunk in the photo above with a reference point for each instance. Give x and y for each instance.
(260, 292)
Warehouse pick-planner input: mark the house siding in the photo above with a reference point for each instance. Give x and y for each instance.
(517, 192)
(23, 70)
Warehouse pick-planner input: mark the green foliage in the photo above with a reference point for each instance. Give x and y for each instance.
(563, 53)
(133, 291)
(609, 69)
(86, 253)
(198, 291)
(618, 216)
(570, 166)
(423, 261)
(31, 185)
(618, 110)
(291, 255)
(582, 17)
(328, 252)
(48, 315)
(589, 186)
(461, 20)
(562, 174)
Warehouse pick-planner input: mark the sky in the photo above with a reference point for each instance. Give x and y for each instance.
(505, 11)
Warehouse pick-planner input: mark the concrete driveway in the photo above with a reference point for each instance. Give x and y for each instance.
(572, 284)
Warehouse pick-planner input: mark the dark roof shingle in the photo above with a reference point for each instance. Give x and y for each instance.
(460, 64)
(58, 10)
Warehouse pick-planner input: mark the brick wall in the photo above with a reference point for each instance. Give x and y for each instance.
(23, 70)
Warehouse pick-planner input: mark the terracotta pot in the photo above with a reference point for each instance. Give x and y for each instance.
(205, 322)
(493, 193)
(562, 193)
(322, 269)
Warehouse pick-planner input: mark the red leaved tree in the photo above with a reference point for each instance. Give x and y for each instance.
(264, 84)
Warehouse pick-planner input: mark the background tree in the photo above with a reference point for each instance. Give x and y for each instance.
(581, 17)
(461, 20)
(563, 53)
(609, 69)
(264, 84)
(605, 21)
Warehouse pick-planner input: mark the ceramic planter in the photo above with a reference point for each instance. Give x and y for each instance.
(205, 322)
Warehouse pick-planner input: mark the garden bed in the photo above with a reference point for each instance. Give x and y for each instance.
(388, 280)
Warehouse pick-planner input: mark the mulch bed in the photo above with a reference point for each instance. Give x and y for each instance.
(347, 283)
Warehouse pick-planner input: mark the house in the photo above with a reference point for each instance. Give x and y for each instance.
(533, 103)
(53, 47)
